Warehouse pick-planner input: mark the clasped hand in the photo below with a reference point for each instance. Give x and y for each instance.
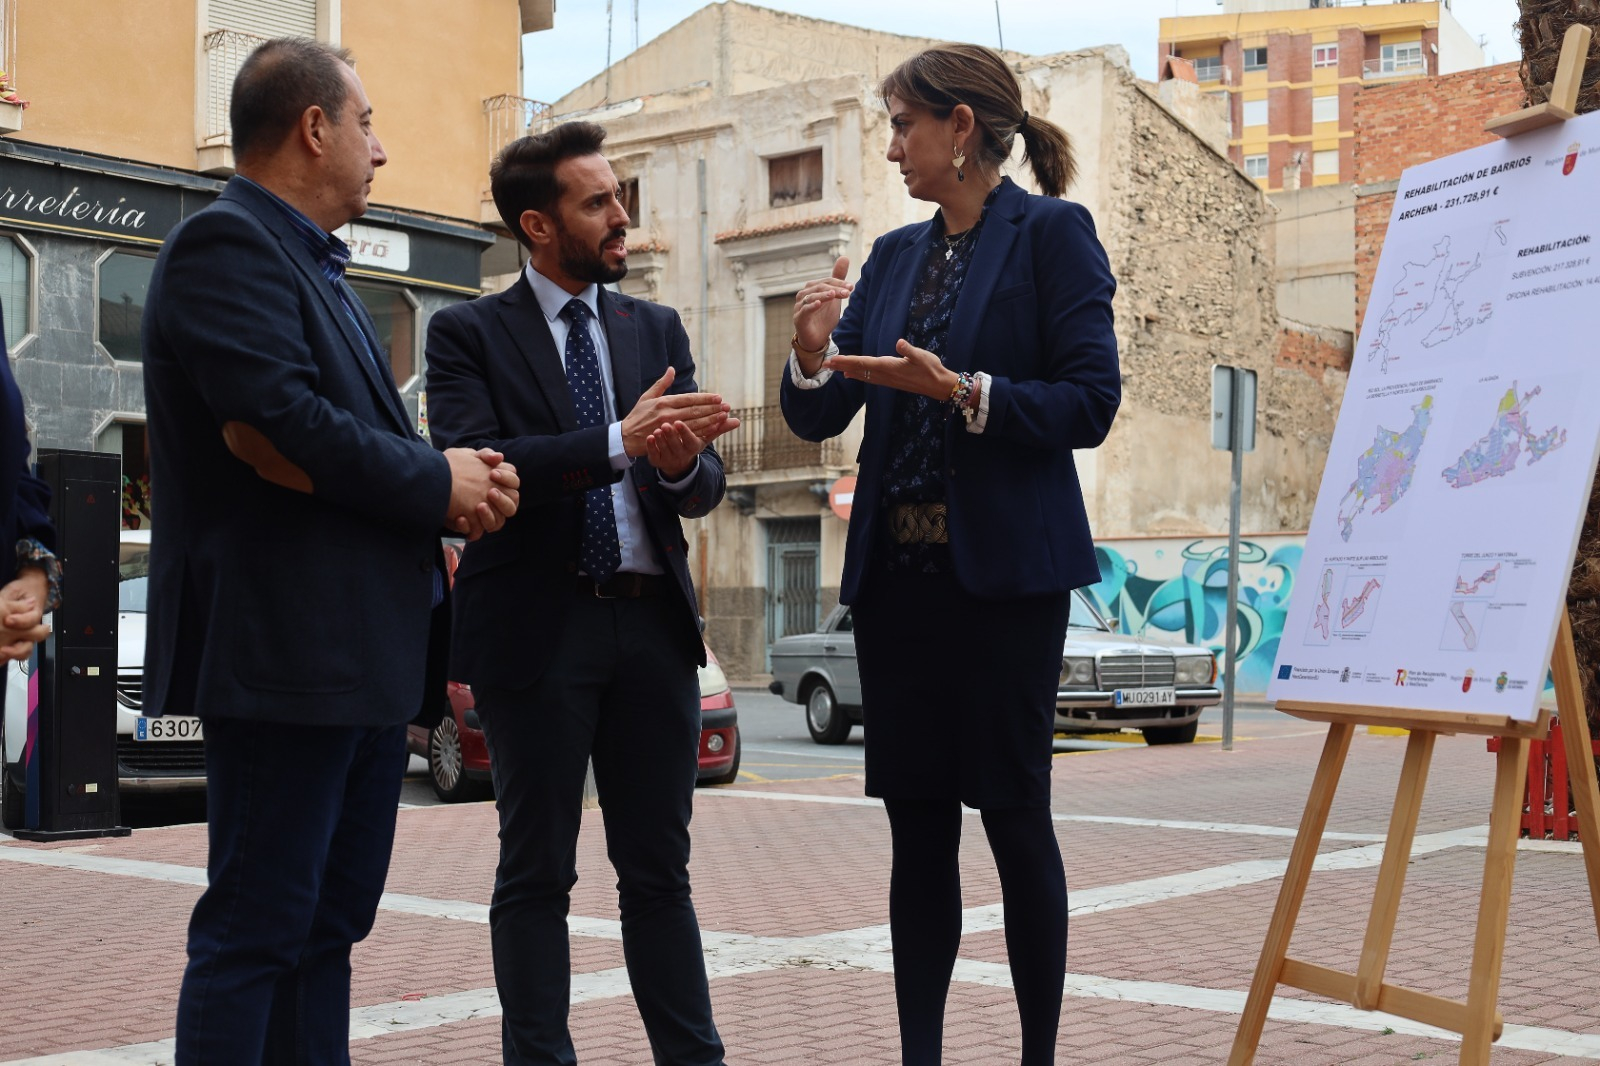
(670, 430)
(484, 491)
(22, 614)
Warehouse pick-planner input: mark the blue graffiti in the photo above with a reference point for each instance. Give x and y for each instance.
(1191, 605)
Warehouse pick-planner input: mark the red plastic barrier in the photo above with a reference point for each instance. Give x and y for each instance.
(1547, 807)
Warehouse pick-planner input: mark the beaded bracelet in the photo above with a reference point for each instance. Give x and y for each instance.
(961, 391)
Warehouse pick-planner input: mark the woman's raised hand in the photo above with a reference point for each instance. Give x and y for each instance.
(817, 309)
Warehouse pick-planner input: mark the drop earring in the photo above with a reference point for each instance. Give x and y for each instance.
(958, 162)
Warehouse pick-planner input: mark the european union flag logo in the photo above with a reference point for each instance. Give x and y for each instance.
(1284, 671)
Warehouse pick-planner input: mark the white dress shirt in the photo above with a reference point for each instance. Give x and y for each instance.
(638, 553)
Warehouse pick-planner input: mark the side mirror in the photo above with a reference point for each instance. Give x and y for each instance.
(1115, 624)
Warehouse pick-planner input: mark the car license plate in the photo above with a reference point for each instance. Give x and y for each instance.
(1146, 697)
(167, 727)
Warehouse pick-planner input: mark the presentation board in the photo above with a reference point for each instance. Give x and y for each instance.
(1436, 566)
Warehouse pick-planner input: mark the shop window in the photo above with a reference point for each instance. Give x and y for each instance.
(630, 200)
(1255, 59)
(795, 179)
(1325, 55)
(1255, 112)
(395, 312)
(1255, 166)
(128, 439)
(16, 288)
(1207, 68)
(1325, 108)
(123, 281)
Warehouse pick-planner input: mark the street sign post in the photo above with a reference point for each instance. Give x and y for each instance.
(1233, 428)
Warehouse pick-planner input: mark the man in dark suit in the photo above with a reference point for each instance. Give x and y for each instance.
(577, 627)
(297, 600)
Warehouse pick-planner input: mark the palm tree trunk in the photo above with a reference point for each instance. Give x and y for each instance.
(1539, 30)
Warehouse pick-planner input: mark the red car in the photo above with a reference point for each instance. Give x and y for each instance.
(458, 759)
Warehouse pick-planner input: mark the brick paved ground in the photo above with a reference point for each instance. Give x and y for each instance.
(1170, 908)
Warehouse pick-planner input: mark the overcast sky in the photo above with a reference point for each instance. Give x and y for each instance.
(559, 60)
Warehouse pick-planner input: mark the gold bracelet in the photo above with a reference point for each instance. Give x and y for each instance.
(794, 342)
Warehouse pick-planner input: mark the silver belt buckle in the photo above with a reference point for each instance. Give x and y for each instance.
(598, 594)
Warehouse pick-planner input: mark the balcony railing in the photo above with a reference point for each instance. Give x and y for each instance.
(226, 51)
(510, 117)
(1394, 68)
(763, 442)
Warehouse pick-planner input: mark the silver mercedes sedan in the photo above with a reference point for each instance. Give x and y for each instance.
(1108, 681)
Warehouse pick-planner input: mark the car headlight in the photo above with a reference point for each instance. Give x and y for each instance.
(1077, 671)
(1196, 669)
(713, 682)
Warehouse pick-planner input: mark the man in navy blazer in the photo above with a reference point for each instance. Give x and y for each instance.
(297, 596)
(577, 626)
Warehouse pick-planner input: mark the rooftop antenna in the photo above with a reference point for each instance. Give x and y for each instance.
(999, 28)
(608, 51)
(635, 25)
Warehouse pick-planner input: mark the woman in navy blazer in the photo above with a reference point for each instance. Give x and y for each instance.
(981, 344)
(29, 575)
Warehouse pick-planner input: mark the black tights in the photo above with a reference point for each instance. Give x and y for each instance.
(925, 920)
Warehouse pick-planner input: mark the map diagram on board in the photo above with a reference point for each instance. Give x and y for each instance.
(1322, 621)
(1495, 454)
(1358, 604)
(1436, 301)
(1384, 470)
(1480, 585)
(1463, 626)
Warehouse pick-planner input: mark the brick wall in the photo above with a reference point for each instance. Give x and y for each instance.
(1401, 124)
(1313, 350)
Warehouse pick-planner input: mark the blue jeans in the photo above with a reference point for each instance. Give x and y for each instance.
(301, 824)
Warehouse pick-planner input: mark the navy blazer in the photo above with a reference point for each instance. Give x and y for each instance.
(267, 603)
(24, 499)
(495, 380)
(1034, 314)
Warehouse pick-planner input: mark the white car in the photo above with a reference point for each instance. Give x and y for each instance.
(153, 754)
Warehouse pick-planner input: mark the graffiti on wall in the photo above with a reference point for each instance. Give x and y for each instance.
(1177, 588)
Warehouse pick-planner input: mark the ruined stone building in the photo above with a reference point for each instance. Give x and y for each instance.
(751, 149)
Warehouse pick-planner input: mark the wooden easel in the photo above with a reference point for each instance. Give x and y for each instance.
(1477, 1020)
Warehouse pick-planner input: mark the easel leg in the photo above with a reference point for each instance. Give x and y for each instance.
(1312, 825)
(1580, 756)
(1392, 875)
(1488, 950)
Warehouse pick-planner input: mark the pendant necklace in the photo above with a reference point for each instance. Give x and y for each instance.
(952, 243)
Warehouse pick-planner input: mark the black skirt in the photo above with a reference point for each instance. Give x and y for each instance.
(958, 694)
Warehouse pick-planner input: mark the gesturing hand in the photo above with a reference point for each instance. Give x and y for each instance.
(913, 370)
(817, 309)
(703, 413)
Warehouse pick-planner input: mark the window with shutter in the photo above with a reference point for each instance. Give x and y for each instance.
(265, 18)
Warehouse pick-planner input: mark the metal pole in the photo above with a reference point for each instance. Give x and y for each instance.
(1231, 637)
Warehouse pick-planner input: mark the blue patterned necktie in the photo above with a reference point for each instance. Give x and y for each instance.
(598, 550)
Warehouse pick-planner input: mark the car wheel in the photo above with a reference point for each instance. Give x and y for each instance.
(450, 780)
(1171, 734)
(732, 773)
(828, 723)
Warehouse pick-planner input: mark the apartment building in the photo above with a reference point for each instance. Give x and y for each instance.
(126, 133)
(1289, 70)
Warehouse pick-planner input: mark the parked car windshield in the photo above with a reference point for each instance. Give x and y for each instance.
(133, 582)
(1084, 616)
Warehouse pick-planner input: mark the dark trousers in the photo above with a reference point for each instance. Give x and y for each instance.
(622, 688)
(301, 824)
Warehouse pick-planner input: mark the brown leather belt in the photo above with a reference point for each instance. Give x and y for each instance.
(624, 586)
(918, 523)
